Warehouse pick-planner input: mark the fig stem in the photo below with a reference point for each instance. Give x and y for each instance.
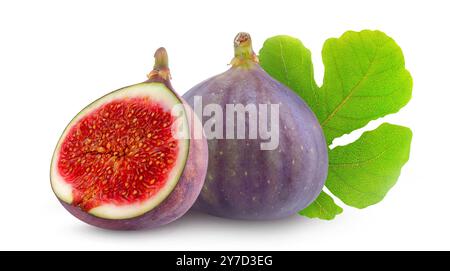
(161, 66)
(243, 51)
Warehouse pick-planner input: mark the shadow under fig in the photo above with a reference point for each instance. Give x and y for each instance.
(197, 221)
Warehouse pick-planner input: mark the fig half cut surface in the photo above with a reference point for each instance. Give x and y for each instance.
(128, 160)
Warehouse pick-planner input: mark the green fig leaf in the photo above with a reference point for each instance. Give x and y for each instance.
(365, 79)
(361, 173)
(323, 207)
(287, 60)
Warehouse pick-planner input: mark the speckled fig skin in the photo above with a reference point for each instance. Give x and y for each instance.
(245, 182)
(189, 185)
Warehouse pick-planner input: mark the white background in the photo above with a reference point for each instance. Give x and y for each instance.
(57, 56)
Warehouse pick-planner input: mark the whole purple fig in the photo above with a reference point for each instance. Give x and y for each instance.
(274, 168)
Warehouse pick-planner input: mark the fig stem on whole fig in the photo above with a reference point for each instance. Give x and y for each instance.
(161, 66)
(243, 51)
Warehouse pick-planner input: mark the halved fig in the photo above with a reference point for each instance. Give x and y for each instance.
(130, 159)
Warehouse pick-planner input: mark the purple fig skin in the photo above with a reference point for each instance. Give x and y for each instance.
(189, 185)
(245, 182)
